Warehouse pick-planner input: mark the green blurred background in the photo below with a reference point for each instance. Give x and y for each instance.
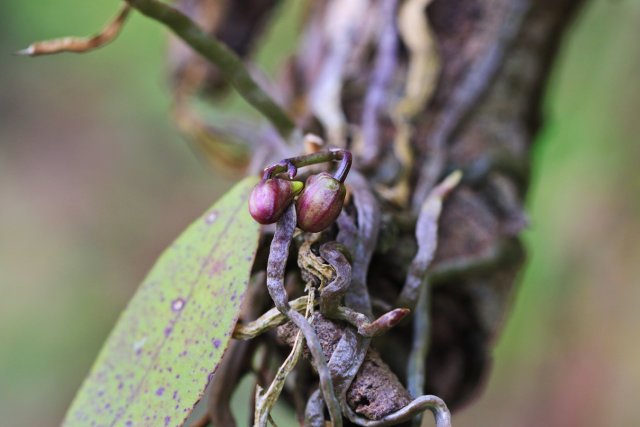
(95, 182)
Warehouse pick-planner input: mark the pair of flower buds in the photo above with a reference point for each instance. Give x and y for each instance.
(319, 200)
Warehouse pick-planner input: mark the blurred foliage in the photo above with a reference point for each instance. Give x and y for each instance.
(95, 182)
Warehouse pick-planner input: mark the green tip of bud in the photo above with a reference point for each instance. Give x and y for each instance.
(296, 187)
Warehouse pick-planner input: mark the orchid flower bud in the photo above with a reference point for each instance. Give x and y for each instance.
(271, 197)
(320, 203)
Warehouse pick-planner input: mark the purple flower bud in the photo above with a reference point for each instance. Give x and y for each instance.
(270, 198)
(320, 203)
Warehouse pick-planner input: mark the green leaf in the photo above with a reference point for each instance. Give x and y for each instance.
(159, 357)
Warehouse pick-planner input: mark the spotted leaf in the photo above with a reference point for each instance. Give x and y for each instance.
(159, 357)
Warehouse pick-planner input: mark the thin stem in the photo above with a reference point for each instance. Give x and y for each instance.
(80, 44)
(292, 164)
(229, 64)
(345, 164)
(269, 320)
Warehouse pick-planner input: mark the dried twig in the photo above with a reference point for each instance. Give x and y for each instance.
(80, 44)
(265, 400)
(269, 320)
